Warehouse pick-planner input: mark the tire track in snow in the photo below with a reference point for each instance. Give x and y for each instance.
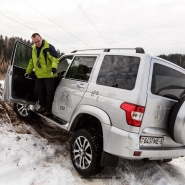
(152, 172)
(128, 172)
(171, 173)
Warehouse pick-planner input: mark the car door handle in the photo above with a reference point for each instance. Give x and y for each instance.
(82, 86)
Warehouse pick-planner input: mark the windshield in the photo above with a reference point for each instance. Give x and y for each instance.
(167, 82)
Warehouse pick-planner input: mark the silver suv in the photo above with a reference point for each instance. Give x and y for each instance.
(117, 103)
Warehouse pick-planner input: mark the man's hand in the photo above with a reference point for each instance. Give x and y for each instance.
(53, 70)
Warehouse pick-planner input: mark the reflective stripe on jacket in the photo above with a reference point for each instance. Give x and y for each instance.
(46, 65)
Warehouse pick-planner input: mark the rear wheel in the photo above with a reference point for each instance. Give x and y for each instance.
(22, 110)
(86, 149)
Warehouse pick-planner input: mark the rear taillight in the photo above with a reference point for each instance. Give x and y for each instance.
(136, 153)
(134, 113)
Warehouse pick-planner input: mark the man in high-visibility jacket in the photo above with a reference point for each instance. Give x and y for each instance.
(45, 62)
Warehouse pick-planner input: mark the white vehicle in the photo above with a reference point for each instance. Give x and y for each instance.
(118, 104)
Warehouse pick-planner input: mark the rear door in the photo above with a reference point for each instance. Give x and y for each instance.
(166, 85)
(73, 86)
(17, 88)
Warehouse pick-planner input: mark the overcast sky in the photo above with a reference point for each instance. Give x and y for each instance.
(156, 25)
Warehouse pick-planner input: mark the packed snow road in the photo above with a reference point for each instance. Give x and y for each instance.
(35, 153)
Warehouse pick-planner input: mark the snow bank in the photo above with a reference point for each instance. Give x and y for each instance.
(26, 159)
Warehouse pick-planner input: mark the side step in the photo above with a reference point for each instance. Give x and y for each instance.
(52, 119)
(56, 119)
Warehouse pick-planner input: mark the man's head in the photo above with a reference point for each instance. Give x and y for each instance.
(37, 39)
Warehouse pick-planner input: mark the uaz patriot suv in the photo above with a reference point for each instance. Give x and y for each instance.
(117, 104)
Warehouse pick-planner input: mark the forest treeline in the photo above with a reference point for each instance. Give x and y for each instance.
(7, 44)
(178, 59)
(6, 48)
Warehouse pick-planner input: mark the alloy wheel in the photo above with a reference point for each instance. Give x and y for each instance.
(82, 152)
(22, 109)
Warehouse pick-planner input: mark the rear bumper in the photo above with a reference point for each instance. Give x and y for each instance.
(123, 144)
(161, 154)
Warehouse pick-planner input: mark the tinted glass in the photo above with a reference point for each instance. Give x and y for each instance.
(22, 55)
(119, 71)
(64, 63)
(167, 82)
(81, 68)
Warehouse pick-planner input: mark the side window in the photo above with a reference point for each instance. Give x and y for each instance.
(167, 82)
(81, 68)
(64, 63)
(22, 56)
(119, 71)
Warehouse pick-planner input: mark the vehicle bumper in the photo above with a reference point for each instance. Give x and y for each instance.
(123, 144)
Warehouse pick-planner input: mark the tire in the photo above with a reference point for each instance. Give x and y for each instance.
(167, 160)
(22, 110)
(176, 122)
(86, 147)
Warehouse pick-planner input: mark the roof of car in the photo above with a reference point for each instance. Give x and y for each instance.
(137, 49)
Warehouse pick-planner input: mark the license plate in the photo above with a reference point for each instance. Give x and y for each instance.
(151, 141)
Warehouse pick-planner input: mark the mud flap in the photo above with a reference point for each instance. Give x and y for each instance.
(109, 160)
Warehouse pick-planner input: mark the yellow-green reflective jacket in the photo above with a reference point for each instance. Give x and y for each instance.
(46, 65)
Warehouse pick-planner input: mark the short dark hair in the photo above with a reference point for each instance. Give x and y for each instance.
(35, 34)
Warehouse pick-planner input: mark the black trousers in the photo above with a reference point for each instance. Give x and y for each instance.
(44, 90)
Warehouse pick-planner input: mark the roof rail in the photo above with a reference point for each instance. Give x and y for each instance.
(138, 49)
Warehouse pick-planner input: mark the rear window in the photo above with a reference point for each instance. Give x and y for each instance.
(119, 71)
(167, 82)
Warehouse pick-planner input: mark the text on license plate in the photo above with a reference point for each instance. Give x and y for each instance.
(151, 141)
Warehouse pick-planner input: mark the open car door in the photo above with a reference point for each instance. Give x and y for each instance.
(17, 88)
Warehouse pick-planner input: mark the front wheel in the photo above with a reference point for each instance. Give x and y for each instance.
(86, 148)
(22, 110)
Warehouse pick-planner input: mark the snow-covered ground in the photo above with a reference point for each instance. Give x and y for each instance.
(35, 153)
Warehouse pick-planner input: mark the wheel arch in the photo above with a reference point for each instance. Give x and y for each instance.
(102, 124)
(85, 113)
